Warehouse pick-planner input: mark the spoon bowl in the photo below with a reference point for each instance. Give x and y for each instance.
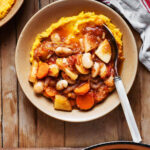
(114, 48)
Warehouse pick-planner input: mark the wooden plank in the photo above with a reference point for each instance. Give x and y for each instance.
(27, 122)
(0, 97)
(38, 130)
(9, 87)
(135, 93)
(122, 127)
(144, 95)
(93, 132)
(145, 102)
(56, 148)
(27, 112)
(135, 101)
(50, 1)
(50, 132)
(43, 3)
(134, 97)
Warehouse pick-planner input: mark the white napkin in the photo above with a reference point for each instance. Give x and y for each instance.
(137, 12)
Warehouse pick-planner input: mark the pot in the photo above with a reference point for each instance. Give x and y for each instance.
(119, 145)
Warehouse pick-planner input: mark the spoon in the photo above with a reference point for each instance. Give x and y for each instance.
(121, 91)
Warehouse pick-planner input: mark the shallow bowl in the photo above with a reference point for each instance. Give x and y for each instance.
(41, 21)
(12, 12)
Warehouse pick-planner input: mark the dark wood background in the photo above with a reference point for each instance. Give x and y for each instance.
(22, 125)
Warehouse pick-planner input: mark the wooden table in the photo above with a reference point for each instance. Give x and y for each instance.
(22, 125)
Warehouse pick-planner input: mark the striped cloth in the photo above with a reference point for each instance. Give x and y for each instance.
(137, 12)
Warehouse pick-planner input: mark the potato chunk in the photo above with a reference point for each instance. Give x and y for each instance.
(62, 103)
(71, 74)
(89, 43)
(53, 70)
(33, 72)
(63, 65)
(61, 62)
(104, 51)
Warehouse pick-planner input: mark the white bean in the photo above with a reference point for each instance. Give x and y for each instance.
(87, 60)
(61, 84)
(103, 70)
(55, 37)
(95, 69)
(63, 51)
(38, 87)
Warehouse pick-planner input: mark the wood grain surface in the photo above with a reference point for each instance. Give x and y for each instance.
(22, 125)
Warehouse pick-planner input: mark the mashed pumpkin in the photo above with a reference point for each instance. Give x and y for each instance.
(5, 6)
(74, 23)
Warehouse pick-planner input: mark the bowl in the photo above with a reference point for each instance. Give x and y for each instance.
(12, 12)
(41, 21)
(119, 145)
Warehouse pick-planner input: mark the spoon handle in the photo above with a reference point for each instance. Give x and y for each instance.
(127, 110)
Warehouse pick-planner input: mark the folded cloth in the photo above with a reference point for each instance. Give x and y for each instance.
(137, 12)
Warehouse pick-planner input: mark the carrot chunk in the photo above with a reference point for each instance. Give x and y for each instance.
(50, 92)
(82, 89)
(42, 70)
(85, 102)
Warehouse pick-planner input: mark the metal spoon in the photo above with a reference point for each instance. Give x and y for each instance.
(121, 91)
